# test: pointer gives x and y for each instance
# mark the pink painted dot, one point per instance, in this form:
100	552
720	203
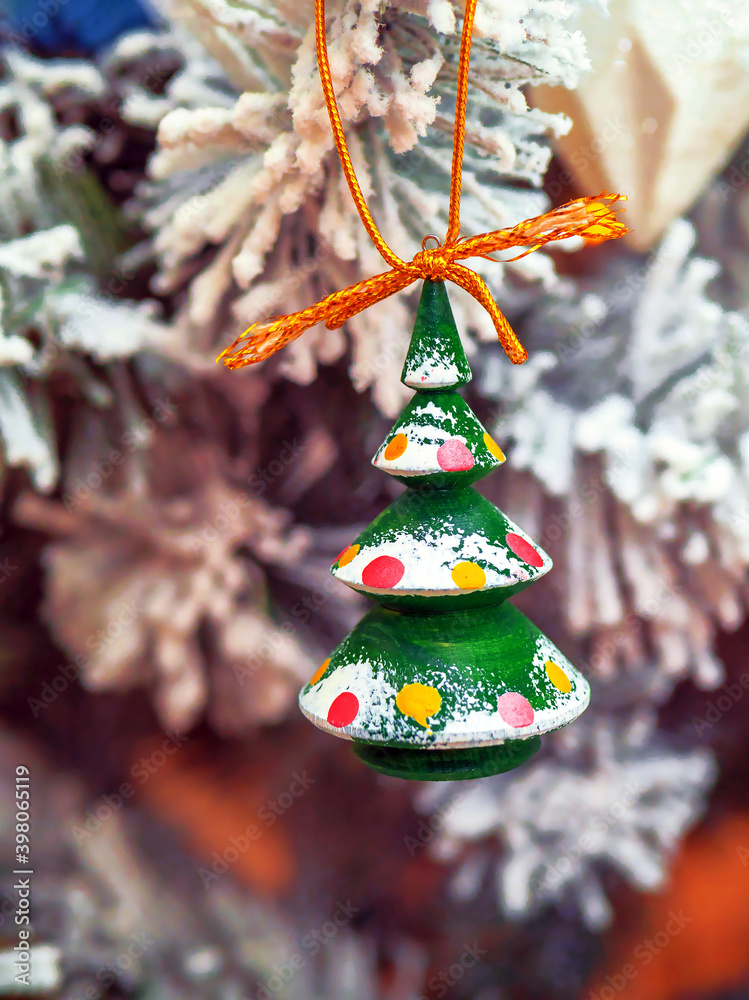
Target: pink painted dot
453	456
524	550
343	710
383	572
516	710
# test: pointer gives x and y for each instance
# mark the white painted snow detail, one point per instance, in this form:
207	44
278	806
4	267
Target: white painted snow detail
425	438
432	374
473	725
376	697
429	561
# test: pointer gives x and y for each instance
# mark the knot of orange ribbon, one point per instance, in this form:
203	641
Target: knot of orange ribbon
431	264
595	219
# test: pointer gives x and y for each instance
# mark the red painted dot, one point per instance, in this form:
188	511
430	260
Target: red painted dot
383	572
344	710
524	550
516	710
453	456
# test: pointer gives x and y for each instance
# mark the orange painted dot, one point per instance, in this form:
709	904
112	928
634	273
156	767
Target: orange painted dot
558	677
468	576
347	555
396	447
494	448
319	672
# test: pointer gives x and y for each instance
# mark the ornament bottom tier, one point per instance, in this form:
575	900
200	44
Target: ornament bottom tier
442	687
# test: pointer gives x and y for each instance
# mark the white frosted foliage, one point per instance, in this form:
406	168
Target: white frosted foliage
253	129
654	455
559	821
50	308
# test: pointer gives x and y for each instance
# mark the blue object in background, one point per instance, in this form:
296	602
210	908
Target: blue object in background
71	25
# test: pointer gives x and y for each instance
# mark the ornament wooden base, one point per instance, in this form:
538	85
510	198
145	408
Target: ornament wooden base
444	679
447	765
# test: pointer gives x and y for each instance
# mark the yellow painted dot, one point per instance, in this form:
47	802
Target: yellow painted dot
320	671
348	555
468	576
419	701
396	447
557	676
494	448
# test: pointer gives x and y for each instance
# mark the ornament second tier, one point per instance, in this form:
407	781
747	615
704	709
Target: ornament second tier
443	679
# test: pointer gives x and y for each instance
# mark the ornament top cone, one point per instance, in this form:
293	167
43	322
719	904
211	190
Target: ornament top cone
443	679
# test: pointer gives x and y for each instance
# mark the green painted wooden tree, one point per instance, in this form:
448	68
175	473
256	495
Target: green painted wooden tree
443	679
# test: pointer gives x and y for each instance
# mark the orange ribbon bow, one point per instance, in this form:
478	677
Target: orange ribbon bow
592	218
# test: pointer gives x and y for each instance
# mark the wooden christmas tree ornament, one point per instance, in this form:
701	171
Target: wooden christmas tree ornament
443	679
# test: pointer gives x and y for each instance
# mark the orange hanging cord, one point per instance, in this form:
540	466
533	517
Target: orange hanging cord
593	218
